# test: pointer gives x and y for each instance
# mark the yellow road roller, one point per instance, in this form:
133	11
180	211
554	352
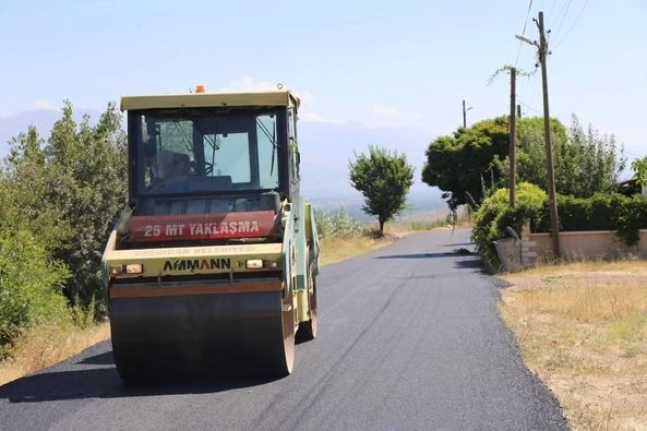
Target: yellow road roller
213	264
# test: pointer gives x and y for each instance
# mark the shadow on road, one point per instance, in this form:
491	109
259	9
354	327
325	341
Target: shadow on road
100	359
460	244
418	256
104	382
462	258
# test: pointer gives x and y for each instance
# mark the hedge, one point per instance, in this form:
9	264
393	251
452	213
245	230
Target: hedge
625	215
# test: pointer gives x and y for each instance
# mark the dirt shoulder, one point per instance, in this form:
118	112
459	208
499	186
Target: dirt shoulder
582	329
335	250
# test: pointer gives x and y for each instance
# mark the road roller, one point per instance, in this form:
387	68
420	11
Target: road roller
212	265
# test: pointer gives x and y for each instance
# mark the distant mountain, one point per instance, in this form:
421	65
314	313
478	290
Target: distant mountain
42	119
11	126
326	149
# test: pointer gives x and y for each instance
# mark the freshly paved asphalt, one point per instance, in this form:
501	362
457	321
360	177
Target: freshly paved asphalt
410	339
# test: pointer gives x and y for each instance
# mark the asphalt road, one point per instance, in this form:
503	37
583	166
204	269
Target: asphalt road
410	339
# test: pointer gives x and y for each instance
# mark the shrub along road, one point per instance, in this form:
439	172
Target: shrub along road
409	339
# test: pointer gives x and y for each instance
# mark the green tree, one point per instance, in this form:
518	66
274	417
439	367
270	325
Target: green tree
586	162
87	174
459	164
640	169
384	178
71	188
471	161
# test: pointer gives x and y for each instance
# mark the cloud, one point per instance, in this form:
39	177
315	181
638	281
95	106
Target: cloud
375	116
249	83
380	115
44	105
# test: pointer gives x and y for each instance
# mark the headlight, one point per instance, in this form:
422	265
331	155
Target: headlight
134	268
130	269
254	263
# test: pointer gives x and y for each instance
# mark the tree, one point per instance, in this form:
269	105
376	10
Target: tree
458	164
72	187
640	168
586	162
384	178
471	161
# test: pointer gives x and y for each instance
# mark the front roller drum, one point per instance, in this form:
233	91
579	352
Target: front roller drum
220	334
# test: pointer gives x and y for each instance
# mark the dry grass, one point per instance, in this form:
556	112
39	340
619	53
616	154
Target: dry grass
335	250
583	329
46	345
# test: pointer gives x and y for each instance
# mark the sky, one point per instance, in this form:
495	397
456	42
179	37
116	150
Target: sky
366	65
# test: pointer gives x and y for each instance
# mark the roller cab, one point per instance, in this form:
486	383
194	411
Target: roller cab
212	266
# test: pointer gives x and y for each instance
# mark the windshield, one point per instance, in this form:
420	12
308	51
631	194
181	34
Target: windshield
198	151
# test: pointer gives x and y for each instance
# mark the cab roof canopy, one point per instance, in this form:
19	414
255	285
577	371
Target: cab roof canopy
210	100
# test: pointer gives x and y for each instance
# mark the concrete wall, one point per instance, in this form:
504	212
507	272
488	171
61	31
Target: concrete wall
591	245
534	248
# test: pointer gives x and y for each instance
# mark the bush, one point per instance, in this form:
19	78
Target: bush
601	212
30	285
632	218
336	224
612	211
494	215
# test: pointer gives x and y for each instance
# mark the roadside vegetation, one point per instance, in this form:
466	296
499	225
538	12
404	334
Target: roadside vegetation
587	168
469	165
59	197
602	211
582	328
342	237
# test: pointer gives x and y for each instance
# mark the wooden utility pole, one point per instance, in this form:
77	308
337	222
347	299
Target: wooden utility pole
519	112
512	153
554	215
542	47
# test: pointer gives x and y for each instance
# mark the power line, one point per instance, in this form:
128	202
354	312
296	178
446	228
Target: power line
575	22
523	31
551	10
558	29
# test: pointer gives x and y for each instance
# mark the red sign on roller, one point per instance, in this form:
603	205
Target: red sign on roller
198	227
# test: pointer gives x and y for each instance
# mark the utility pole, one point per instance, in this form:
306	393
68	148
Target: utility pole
513	137
542	47
519	111
554	215
465	109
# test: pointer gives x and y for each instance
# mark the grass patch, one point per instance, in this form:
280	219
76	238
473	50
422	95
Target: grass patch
582	328
423	225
